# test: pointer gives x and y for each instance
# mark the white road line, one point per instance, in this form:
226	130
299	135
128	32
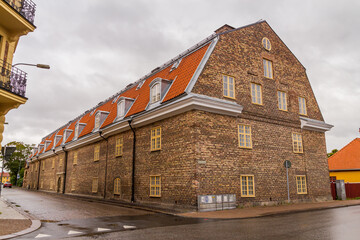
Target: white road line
73	232
129	227
103	229
42	236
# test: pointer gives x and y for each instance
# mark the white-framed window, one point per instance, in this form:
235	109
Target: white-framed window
302	106
256	93
282	100
121	109
155	93
97	120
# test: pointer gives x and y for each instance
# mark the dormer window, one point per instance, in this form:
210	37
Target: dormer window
97	120
121	109
47	144
100	117
155	93
158	89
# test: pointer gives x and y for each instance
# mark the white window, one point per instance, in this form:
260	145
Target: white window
121	109
76	130
97	120
155	93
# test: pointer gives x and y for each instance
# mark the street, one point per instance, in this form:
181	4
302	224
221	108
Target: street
64	217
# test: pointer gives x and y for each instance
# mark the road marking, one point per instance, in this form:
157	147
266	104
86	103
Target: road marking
103	229
42	236
129	227
73	232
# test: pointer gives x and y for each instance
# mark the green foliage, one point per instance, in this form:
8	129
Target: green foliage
332	152
17	161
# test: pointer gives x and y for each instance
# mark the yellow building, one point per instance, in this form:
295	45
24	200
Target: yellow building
345	164
5	177
16	20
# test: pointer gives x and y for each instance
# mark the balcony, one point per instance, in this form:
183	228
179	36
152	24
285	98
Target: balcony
12	79
25	8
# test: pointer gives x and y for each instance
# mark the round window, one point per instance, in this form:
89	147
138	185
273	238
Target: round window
266	43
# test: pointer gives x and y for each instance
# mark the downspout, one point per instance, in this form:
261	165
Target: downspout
65	166
106	159
38	178
133	163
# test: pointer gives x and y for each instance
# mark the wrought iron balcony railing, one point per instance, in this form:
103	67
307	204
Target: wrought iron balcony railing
12	79
26	8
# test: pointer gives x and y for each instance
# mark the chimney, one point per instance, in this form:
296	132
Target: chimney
224	28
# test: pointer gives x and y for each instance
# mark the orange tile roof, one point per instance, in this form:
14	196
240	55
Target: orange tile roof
347	158
180	78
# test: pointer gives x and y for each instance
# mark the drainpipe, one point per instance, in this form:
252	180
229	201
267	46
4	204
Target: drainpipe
38	177
106	158
65	166
133	163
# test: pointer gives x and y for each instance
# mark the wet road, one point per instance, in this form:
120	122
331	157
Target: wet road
76	219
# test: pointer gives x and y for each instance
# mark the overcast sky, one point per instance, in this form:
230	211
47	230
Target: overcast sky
96	48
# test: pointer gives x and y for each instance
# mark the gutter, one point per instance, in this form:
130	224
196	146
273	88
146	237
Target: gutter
106	160
65	166
133	162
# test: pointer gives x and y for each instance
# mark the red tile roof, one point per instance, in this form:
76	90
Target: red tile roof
347	158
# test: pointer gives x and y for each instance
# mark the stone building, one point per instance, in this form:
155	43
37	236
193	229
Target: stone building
220	118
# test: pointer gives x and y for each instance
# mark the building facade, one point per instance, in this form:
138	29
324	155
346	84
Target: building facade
5	177
16	20
220	118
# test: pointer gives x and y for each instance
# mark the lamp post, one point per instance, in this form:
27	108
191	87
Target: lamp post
44	66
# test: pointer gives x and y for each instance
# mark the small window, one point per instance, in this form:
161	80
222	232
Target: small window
155	138
95	183
245	136
256	94
96	152
247	186
302	106
117	186
333	179
121	109
73	183
268	71
43	165
301	184
297	143
119	146
228	86
97	120
155	186
155	93
75	158
53	164
76	131
266	43
60	162
282	100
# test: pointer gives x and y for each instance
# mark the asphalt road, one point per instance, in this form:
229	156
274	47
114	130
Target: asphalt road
75	219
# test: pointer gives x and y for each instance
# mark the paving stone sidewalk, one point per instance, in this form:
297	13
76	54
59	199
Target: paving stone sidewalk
261	211
12	223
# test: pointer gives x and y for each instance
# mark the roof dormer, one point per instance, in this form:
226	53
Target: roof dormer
47	144
67	133
123	106
78	128
56	140
40	147
158	89
100	117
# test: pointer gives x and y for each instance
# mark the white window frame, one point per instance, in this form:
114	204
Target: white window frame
121	109
155	93
97	120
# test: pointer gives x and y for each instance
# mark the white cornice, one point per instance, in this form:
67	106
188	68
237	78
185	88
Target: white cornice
187	103
314	125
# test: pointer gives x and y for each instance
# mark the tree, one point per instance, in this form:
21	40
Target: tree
332	152
16	163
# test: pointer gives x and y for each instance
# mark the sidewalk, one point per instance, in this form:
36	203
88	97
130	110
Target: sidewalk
261	211
13	223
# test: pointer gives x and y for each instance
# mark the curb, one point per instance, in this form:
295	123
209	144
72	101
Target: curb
35	224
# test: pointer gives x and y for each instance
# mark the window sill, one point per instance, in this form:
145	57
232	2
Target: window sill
155	150
155	196
233	98
248	196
